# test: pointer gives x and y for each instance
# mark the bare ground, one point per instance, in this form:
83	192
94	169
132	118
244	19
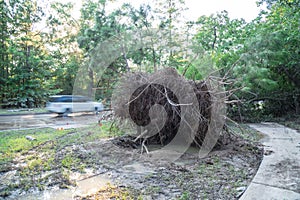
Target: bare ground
112	169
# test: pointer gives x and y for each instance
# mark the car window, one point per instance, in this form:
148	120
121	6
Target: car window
86	99
66	99
78	99
81	99
70	99
60	99
54	99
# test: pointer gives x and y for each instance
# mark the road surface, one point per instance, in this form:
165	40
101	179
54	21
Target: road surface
47	120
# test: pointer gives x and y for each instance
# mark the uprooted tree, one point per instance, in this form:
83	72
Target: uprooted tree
164	105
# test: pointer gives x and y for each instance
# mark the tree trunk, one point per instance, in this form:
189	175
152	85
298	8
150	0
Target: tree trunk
91	83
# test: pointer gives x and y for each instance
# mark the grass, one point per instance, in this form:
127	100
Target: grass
69	161
14	143
52	150
185	196
23	111
111	192
209	175
292	121
16	111
245	132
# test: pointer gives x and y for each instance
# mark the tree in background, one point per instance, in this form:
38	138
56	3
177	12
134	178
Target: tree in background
23	55
98	26
61	39
5	20
273	54
261	57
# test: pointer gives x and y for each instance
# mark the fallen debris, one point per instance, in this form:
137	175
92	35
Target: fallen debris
28	137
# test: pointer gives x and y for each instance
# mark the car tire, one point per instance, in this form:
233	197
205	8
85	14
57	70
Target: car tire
96	110
67	112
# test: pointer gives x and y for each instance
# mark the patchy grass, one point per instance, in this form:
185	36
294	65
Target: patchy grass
245	132
111	192
52	150
23	111
213	178
14	143
292	121
56	155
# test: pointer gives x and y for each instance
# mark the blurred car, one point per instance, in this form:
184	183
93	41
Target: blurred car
65	104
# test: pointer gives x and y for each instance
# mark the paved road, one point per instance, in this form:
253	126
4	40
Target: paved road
278	176
46	120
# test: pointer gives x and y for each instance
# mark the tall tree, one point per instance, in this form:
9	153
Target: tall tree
98	26
4	56
23	54
61	35
276	47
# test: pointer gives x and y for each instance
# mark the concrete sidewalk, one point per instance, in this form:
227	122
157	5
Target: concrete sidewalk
278	176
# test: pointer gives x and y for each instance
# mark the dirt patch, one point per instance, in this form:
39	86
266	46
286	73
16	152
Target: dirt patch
102	169
224	174
288	170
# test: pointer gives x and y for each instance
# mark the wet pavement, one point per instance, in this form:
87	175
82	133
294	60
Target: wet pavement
18	122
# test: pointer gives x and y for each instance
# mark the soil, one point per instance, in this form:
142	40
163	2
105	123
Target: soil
112	169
